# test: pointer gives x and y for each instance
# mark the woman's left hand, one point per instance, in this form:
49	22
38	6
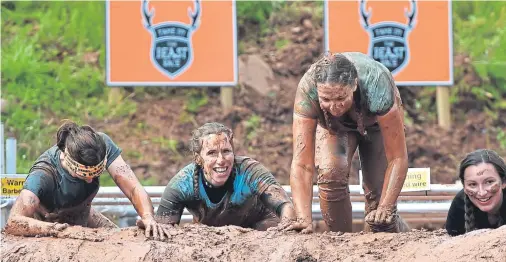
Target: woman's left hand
152	228
288	217
382	219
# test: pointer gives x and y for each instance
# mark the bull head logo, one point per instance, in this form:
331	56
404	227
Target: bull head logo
388	44
171	48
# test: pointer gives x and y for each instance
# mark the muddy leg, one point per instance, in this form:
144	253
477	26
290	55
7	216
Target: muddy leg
333	157
374	164
96	220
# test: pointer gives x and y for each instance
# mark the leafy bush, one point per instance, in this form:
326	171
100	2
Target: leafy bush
45	74
480	32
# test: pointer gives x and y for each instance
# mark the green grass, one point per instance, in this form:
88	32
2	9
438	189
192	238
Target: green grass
45	77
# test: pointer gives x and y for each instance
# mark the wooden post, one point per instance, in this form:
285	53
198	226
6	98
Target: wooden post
115	96
227	98
443	106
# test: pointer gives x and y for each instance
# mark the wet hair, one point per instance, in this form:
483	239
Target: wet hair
475	158
83	144
196	146
337	69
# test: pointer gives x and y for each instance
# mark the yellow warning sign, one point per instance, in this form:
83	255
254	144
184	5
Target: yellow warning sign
12	185
417	179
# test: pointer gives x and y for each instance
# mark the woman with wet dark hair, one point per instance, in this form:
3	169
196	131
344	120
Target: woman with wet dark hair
64	180
482	201
219	188
345	101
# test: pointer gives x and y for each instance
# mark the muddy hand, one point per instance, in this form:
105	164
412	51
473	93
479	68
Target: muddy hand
288	217
152	228
382	215
303	226
382	219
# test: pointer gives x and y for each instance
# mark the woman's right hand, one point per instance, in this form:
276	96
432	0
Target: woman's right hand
305	227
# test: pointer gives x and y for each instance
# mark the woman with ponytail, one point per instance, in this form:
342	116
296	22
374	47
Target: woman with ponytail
64	180
219	188
343	102
482	201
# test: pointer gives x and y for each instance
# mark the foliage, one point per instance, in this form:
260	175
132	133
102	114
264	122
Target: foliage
52	68
480	32
263	13
252	125
256	12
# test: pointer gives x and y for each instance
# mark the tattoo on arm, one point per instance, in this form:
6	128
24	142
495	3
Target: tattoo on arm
124	171
126	180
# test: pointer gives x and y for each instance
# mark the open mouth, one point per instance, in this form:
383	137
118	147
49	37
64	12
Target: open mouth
220	170
483	200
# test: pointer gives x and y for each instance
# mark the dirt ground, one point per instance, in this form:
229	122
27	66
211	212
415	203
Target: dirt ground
202	243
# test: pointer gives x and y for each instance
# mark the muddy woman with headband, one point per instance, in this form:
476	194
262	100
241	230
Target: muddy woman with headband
482	201
64	180
345	101
220	188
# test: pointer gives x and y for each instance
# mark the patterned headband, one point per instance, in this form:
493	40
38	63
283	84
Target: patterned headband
82	170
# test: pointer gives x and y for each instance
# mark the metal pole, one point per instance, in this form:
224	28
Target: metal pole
10	155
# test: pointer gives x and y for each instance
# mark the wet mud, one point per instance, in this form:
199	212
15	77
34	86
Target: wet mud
202	243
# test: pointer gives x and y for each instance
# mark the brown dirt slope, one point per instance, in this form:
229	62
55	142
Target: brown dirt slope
201	243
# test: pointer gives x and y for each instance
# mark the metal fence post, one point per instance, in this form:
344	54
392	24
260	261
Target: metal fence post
10	155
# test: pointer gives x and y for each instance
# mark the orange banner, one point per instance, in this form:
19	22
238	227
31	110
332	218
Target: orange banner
171	43
413	39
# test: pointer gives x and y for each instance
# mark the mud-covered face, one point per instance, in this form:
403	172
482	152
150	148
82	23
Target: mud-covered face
484	187
217	158
336	99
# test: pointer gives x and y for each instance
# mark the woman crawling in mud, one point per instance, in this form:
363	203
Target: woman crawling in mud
343	101
220	188
482	201
64	180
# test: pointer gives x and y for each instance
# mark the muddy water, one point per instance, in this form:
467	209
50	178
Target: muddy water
202	243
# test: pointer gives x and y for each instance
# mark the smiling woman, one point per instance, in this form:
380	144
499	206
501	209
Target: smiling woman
482	201
220	188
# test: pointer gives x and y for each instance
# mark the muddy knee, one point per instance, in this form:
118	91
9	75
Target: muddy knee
333	185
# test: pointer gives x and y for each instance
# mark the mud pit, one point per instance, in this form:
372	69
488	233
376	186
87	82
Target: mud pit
201	243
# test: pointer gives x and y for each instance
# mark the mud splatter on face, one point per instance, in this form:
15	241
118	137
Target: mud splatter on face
218	157
335	99
495	187
482	184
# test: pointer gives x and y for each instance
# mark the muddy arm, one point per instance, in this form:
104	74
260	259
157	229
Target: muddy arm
303	166
276	199
171	205
392	129
126	180
21	221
